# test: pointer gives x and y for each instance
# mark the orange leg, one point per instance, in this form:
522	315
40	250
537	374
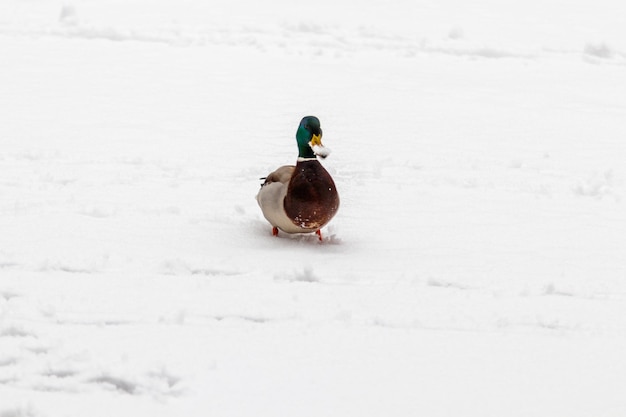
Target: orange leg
274	231
319	233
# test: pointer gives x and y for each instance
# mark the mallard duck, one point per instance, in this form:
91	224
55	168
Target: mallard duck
301	198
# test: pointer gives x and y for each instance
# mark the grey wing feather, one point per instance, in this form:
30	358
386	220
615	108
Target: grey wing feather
282	174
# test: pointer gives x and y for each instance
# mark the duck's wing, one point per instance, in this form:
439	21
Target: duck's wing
282	174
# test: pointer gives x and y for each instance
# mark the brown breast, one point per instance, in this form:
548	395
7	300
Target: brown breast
312	198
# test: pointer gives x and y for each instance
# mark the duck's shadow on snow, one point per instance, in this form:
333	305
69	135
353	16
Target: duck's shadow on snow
263	230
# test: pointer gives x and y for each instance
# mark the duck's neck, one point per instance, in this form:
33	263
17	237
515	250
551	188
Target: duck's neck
305	152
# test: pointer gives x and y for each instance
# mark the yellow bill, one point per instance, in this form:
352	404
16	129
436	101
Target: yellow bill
319	149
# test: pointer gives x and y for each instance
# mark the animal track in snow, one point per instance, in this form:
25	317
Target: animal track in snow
152	383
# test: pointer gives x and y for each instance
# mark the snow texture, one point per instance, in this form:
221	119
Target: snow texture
475	268
321	151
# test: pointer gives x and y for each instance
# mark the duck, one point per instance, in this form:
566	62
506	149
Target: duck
301	198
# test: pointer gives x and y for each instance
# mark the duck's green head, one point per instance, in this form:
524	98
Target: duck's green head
309	138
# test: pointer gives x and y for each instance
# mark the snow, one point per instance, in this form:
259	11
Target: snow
321	151
475	267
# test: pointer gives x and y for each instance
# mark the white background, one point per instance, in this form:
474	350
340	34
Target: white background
476	266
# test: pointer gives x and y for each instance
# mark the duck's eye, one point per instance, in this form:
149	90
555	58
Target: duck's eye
306	126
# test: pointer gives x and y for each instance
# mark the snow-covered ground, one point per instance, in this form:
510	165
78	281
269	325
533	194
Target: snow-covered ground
476	267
